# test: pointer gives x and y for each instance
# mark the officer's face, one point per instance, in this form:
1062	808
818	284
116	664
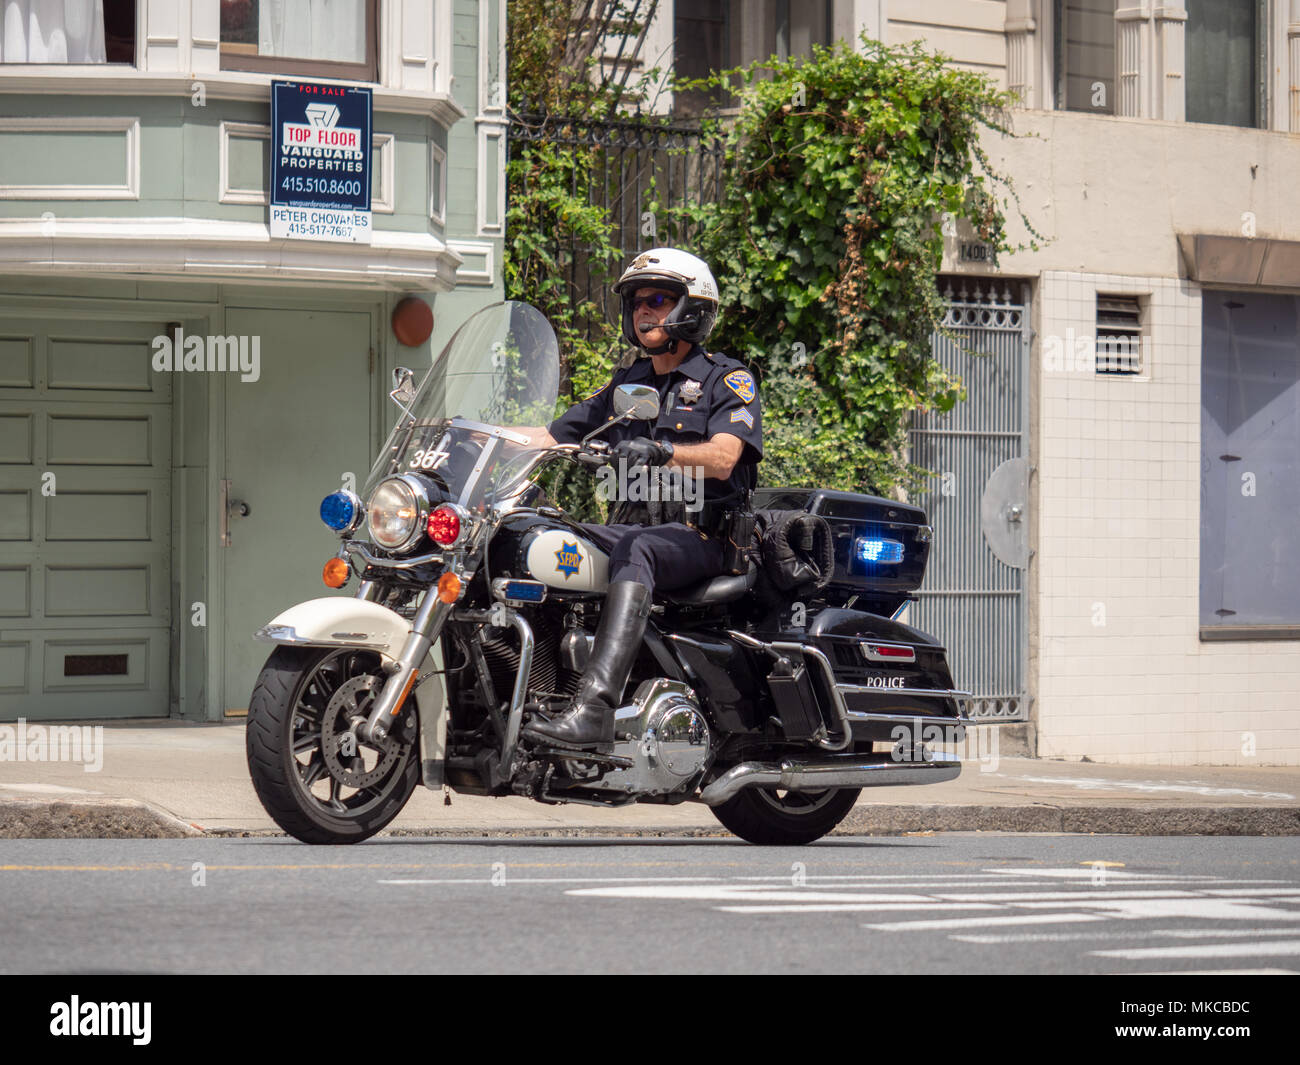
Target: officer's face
646	313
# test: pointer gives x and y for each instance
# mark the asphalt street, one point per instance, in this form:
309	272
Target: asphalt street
943	904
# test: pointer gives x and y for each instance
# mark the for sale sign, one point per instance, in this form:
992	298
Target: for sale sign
320	162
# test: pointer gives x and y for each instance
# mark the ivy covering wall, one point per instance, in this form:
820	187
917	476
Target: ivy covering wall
842	170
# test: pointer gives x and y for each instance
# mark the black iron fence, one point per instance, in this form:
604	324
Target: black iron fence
644	172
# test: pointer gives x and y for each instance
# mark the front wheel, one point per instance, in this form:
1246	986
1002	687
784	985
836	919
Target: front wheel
313	774
774	817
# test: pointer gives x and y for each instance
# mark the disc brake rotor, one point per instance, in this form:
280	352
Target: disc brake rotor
342	748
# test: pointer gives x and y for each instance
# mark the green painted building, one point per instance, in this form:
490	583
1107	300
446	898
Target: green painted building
151	520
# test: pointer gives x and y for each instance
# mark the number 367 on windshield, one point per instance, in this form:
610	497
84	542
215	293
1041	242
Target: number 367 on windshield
430	459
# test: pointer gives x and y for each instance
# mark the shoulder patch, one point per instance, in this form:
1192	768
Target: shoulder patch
740	383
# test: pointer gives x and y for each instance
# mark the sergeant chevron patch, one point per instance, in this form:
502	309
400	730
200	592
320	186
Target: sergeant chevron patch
743	415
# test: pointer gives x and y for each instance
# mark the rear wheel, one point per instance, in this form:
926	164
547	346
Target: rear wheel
313	774
775	817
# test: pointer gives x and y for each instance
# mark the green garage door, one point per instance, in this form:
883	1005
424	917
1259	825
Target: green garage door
85	457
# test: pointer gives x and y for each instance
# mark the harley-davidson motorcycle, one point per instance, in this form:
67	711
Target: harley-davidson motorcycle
773	700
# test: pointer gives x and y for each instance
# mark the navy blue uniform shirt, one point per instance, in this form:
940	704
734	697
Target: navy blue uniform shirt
705	395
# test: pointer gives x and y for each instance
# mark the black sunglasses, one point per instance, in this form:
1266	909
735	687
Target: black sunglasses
655	302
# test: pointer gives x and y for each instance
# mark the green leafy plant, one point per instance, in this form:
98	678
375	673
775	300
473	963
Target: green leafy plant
556	81
827	241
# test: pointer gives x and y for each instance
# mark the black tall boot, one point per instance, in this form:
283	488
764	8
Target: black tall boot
588	724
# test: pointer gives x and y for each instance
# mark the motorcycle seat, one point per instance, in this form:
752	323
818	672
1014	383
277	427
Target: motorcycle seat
725	589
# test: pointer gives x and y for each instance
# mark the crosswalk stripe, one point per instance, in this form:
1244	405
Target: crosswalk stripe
1048	897
508	879
985	922
1219	972
1162	933
1077	873
845	907
1207	950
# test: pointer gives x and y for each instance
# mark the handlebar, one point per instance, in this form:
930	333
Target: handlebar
594	453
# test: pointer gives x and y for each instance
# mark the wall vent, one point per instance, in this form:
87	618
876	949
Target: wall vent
1119	335
95	665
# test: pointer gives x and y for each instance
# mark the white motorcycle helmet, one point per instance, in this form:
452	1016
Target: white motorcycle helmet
697	306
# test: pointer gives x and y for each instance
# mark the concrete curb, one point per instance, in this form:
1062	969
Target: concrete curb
130	819
902	820
1039	817
89	819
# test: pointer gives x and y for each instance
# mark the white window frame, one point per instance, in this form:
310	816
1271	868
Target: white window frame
438	187
1029	32
178	51
1286	65
1159	29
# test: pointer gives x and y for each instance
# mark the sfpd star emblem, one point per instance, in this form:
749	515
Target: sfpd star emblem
690	391
568	559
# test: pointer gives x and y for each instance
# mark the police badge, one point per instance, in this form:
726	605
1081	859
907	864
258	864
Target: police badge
690	391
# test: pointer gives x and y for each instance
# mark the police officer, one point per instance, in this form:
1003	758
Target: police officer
709	425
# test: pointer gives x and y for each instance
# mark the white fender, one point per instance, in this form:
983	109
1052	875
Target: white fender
338	621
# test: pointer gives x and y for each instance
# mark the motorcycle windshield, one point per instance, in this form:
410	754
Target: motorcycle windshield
500	369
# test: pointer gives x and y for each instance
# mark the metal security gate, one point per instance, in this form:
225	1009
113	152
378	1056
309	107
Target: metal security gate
973	598
643	172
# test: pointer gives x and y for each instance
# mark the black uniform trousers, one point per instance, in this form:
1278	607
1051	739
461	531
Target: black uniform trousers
661	557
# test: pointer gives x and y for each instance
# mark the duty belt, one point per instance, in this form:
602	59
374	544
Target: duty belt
708	520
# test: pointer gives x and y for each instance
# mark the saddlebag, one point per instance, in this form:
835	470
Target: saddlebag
791	687
879	546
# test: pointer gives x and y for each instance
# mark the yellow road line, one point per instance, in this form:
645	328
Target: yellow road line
487	862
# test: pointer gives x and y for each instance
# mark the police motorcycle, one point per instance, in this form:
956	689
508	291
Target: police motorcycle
773	695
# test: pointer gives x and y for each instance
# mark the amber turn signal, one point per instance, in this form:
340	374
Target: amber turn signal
449	587
335	573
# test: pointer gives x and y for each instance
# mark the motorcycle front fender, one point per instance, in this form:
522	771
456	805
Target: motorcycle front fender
338	621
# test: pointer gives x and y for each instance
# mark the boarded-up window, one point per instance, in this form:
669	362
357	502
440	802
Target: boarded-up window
1250	437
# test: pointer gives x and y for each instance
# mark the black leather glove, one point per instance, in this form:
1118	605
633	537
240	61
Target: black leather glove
643	452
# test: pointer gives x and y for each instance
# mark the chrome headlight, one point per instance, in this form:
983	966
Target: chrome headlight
398	510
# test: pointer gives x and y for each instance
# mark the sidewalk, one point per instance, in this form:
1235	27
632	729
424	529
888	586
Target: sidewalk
163	779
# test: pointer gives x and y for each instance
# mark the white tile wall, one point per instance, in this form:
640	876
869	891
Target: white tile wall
1123	676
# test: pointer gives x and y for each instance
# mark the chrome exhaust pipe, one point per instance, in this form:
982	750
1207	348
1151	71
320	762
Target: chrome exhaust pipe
845	771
